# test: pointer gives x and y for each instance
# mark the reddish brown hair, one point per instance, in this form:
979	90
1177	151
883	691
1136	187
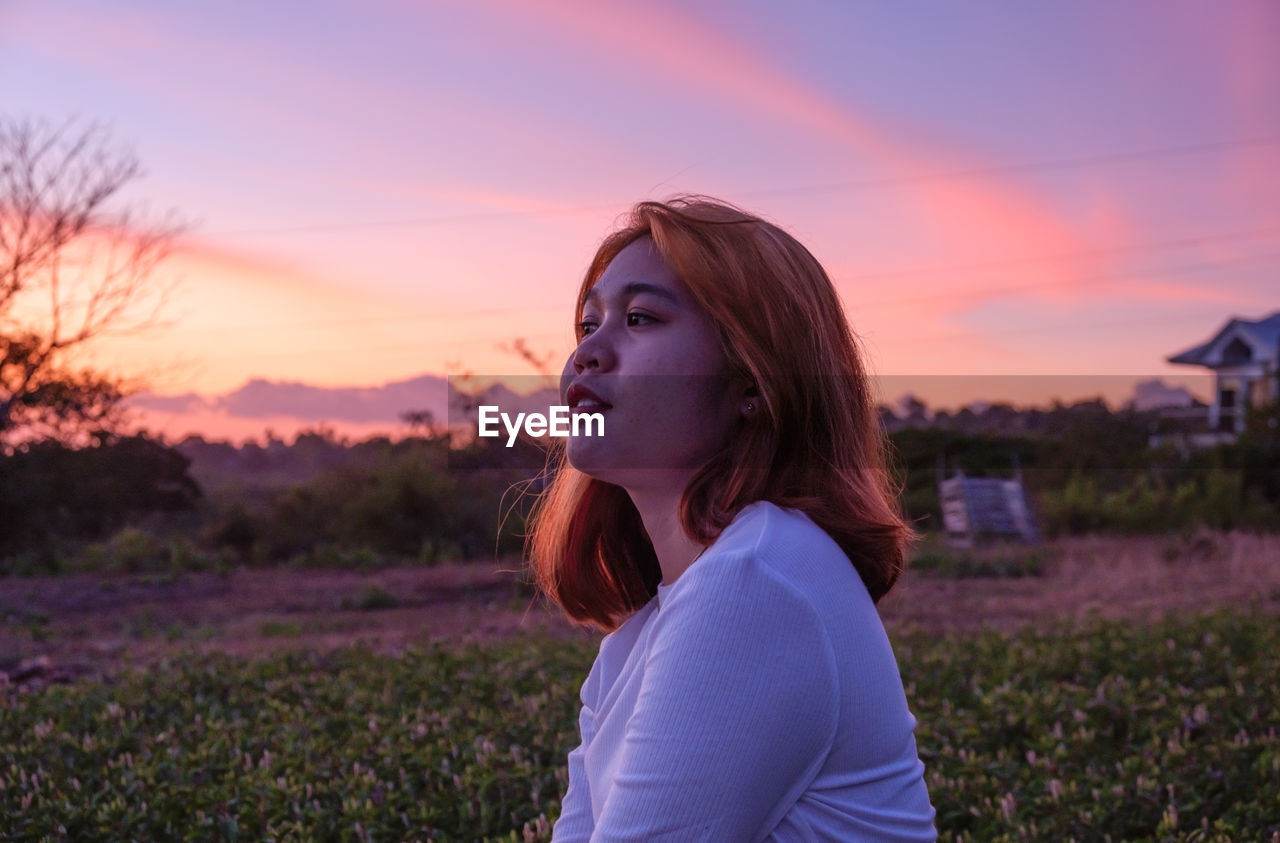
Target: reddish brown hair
816	445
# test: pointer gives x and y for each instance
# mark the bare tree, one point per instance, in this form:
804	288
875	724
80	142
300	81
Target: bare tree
75	265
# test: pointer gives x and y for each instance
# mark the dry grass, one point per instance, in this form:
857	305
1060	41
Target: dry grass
91	624
1133	577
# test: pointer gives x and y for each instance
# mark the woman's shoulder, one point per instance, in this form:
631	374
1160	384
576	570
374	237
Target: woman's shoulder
762	525
773	548
783	540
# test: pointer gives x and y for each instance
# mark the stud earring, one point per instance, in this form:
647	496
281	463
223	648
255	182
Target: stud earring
751	408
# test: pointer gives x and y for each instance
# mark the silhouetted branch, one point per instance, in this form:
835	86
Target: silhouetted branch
74	266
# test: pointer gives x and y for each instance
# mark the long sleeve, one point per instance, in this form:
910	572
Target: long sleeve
736	713
576	818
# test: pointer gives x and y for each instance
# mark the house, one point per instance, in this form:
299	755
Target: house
1245	358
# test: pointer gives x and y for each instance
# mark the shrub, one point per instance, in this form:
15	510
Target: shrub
1105	730
400	503
998	562
1140	503
50	493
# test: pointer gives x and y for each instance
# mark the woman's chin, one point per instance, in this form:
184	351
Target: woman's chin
586	455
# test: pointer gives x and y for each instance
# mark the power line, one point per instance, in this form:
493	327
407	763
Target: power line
359	320
1086	281
1063	257
417	222
966	294
866	184
1040	329
1198	317
1030	166
974	293
347	349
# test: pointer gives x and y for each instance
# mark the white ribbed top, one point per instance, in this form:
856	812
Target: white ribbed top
756	698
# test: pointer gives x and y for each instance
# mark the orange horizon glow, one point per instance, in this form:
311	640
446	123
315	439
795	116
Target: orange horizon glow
949	394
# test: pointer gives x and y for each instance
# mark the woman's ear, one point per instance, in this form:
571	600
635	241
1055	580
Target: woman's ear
750	401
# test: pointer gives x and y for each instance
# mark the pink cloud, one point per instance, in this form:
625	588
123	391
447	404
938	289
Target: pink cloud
975	214
699	57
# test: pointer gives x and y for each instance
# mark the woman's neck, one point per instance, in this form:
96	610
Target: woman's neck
660	511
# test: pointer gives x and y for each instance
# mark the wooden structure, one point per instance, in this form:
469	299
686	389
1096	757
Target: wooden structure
974	508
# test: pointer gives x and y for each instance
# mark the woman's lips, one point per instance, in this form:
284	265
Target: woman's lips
580	398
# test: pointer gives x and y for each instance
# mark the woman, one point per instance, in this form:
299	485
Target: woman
732	530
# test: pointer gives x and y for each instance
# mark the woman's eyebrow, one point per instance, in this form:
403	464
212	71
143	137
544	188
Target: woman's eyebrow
635	288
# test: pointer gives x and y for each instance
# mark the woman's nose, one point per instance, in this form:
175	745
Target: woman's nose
594	352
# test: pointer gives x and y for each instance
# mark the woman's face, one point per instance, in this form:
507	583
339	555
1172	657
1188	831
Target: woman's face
649	361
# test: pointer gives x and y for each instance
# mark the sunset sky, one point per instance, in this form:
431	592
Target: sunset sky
387	189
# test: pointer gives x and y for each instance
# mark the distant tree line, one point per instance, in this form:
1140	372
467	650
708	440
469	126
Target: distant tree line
137	503
320	501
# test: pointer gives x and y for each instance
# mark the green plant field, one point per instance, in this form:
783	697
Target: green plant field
1110	731
1009	563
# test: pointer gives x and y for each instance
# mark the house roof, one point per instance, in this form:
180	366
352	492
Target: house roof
1264	334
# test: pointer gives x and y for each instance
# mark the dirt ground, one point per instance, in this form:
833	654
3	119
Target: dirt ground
61	628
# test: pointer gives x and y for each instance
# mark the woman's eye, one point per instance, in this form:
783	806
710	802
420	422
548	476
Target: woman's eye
585	327
635	319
